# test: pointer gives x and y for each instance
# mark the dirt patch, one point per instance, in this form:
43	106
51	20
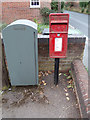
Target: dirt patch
17	96
44	101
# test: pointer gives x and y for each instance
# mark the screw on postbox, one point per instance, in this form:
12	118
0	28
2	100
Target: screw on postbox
58	29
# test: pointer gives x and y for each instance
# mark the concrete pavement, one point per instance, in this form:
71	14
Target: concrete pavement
52	102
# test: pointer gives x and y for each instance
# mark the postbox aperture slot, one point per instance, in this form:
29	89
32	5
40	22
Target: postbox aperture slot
59	21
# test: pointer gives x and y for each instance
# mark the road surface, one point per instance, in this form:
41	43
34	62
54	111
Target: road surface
80	21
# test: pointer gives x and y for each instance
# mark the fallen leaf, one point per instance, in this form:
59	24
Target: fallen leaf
69	86
67	94
68	77
1	92
69	71
68	98
25	91
39	76
45	84
46	101
41	92
70	82
52	87
65	90
46	73
57	86
9	89
42	73
65	75
49	72
60	74
43	81
32	93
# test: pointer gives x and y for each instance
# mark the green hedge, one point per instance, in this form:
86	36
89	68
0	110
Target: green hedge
54	5
45	13
84	5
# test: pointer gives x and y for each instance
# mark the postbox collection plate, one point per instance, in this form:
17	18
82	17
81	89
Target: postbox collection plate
58	28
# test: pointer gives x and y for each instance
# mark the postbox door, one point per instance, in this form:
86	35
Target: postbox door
58	45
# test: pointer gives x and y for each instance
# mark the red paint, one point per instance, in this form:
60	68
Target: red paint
58	25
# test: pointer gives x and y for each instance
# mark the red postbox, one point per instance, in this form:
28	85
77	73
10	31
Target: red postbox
58	34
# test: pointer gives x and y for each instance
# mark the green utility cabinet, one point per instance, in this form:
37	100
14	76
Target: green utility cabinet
21	48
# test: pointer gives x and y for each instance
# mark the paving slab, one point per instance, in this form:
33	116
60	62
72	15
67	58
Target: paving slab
43	101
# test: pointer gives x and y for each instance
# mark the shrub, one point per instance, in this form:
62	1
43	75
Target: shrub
3	26
88	6
35	20
83	4
45	13
82	10
54	5
40	27
87	10
62	10
68	4
62	5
